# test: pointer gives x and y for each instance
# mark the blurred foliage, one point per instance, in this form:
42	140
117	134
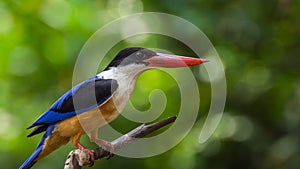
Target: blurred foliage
258	42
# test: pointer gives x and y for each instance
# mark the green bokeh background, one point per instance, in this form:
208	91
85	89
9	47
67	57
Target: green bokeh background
258	43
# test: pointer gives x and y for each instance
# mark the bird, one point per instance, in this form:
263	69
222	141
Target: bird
97	101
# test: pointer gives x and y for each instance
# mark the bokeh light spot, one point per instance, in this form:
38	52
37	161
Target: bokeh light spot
127	7
6	20
258	77
22	61
9	127
55	13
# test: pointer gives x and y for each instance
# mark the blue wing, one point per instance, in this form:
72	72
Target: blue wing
81	98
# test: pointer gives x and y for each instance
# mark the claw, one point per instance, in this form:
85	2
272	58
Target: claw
91	164
110	155
105	144
110	149
91	152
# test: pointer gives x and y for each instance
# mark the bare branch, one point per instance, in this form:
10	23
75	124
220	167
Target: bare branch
77	158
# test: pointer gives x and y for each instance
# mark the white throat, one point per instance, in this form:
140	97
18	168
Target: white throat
126	77
123	74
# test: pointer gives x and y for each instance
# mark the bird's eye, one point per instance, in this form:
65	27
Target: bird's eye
140	55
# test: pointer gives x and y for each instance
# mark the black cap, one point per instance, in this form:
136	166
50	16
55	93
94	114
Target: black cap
131	55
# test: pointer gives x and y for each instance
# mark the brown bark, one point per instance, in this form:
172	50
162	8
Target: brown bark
77	158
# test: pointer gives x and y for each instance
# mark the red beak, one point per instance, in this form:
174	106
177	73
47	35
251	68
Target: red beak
171	61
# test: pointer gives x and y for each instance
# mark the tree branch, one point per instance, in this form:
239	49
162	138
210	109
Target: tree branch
77	158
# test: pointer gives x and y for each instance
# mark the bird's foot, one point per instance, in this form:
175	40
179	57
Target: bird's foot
92	155
108	146
91	152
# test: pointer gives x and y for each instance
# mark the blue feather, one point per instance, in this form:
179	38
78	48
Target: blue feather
53	116
30	161
55	113
60	101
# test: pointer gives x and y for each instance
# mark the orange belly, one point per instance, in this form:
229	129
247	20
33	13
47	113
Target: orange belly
73	128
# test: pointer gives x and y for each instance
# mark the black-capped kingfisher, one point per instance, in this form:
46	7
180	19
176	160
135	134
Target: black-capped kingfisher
107	93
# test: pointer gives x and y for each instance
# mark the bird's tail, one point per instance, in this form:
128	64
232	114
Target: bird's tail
33	158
